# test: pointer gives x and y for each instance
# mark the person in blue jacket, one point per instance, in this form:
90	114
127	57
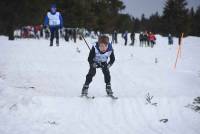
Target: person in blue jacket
54	21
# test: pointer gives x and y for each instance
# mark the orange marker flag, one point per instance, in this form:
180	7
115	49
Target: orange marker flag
179	49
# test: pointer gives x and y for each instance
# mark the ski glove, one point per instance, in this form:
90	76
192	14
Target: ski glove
109	65
106	65
95	65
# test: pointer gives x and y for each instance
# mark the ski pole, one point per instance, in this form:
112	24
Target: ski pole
85	42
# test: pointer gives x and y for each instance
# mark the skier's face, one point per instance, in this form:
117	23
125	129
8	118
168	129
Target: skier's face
103	47
53	9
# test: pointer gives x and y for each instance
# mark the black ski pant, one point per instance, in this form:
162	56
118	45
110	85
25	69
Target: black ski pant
125	43
92	72
54	33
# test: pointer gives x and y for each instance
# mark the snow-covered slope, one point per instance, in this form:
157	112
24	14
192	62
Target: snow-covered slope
40	88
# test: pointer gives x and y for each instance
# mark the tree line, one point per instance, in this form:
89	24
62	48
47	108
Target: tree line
102	15
175	19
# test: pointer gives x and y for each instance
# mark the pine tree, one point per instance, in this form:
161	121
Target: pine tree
103	15
175	17
154	23
192	19
136	25
15	14
196	20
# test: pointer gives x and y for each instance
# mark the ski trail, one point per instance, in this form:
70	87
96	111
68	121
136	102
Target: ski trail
58	73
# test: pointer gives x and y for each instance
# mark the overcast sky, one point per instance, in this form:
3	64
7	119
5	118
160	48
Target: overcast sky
148	7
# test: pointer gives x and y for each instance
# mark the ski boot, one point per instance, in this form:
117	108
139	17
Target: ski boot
110	92
51	43
57	43
85	90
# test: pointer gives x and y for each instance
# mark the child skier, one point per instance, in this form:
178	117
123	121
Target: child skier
54	20
98	57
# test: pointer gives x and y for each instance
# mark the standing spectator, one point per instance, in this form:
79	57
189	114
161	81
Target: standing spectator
115	36
145	39
66	34
47	33
41	30
141	38
170	40
132	36
37	31
74	35
125	36
70	34
152	39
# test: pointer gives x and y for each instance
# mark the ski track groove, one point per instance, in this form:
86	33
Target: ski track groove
187	121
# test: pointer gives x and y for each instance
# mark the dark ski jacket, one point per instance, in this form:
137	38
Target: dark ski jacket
95	53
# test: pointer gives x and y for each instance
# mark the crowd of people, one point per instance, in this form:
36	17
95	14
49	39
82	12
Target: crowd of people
53	28
39	31
29	32
72	34
147	39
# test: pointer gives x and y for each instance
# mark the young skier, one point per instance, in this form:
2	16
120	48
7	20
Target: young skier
54	20
97	58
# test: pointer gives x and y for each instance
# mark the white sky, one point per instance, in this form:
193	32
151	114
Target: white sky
148	7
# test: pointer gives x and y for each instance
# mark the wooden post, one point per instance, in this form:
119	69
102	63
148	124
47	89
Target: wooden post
179	50
181	41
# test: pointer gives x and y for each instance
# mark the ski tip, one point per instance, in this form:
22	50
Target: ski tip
113	97
87	97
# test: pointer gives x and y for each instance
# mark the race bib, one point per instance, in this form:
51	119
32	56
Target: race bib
54	22
54	19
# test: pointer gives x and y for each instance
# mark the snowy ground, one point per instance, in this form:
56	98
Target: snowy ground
40	88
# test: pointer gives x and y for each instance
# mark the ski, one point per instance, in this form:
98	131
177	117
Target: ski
87	97
93	97
113	97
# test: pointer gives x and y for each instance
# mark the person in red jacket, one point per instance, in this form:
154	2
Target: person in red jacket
152	39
